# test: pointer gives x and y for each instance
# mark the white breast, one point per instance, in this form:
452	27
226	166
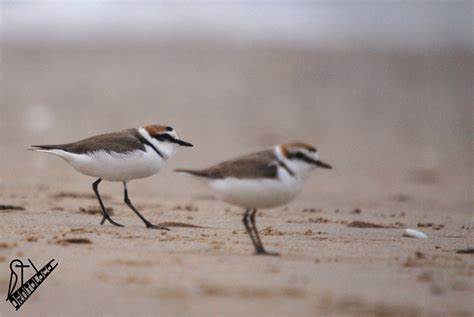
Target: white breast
258	193
113	166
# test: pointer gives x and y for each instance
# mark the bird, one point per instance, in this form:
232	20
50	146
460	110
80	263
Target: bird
266	179
120	157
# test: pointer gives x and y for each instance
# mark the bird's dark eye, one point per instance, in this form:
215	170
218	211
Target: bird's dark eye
169	129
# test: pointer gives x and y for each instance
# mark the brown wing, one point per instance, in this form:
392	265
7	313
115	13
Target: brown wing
255	165
119	142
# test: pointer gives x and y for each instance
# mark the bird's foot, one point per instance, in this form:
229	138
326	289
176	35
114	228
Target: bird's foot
264	252
159	227
112	222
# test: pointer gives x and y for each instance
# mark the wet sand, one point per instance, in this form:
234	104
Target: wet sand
326	265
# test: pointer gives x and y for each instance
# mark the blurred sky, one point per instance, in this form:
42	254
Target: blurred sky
373	25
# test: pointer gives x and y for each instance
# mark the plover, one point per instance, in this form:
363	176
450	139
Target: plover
265	179
120	157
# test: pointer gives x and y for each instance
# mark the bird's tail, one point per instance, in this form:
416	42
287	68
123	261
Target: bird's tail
44	147
51	149
189	172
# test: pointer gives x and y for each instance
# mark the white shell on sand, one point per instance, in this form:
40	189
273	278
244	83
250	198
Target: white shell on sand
412	233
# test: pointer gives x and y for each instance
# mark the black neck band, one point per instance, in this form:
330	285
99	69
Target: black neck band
145	141
282	164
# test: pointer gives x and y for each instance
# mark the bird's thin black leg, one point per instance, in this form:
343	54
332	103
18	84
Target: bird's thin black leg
129	204
260	249
105	214
245	220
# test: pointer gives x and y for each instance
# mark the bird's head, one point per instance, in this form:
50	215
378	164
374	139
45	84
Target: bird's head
164	138
301	158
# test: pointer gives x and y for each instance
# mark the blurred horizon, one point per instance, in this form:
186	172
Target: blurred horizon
419	26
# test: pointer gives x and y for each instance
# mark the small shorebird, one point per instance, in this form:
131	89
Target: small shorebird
120	157
265	179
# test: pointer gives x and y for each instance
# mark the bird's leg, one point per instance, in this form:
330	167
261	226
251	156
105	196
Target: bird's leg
105	215
259	248
129	204
245	220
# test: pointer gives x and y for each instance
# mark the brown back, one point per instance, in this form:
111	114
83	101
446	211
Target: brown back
255	165
120	142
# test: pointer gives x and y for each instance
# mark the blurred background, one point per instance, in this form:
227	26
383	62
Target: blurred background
382	88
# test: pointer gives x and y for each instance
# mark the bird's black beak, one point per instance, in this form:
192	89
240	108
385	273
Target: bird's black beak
183	143
322	164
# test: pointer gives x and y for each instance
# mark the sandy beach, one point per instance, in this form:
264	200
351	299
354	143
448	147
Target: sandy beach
396	127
